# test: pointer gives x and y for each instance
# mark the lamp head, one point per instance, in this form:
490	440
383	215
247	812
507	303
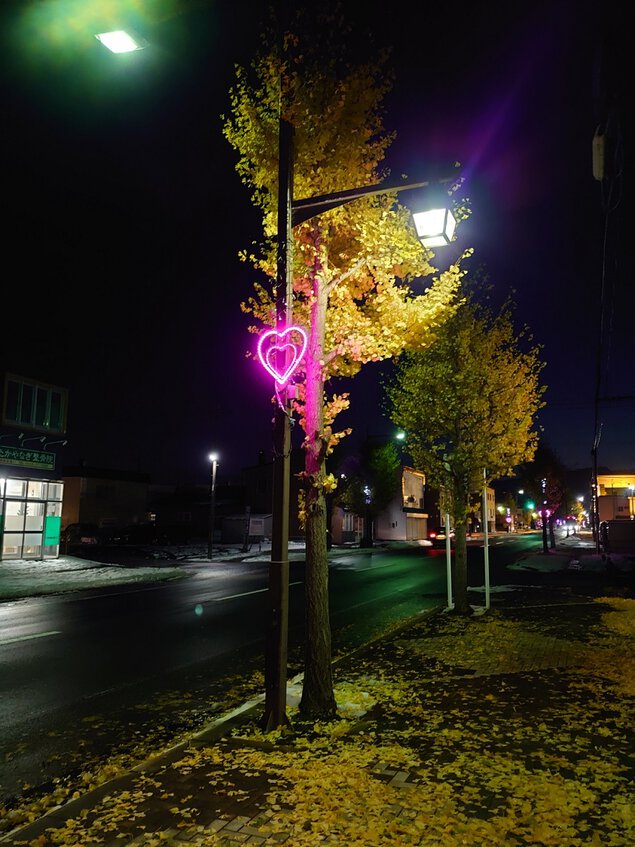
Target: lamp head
433	218
120	41
435	227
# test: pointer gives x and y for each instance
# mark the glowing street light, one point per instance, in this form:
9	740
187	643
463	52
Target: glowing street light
121	41
435	227
213	457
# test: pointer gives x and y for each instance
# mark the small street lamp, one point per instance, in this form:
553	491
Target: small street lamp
213	457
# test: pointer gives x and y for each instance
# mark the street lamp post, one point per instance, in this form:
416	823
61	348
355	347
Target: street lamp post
433	228
432	231
276	644
543	488
213	457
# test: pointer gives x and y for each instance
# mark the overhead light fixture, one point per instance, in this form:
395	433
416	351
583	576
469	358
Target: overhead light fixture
120	41
435	227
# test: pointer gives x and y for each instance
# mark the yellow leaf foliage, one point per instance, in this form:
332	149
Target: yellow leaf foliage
352	265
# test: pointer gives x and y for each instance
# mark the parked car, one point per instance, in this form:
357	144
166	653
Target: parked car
80	533
149	533
437	536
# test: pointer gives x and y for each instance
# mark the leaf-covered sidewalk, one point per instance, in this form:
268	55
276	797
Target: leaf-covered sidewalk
511	728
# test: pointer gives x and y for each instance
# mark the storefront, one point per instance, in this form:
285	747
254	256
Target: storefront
30	518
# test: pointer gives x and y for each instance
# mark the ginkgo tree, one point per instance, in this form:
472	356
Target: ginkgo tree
469	404
351	265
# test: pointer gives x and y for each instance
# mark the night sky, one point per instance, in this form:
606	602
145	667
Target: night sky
124	217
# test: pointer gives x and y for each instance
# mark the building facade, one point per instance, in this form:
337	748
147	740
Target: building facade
32	422
105	498
405	518
616	496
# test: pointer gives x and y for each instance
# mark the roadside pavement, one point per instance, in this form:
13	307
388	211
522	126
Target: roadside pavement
511	727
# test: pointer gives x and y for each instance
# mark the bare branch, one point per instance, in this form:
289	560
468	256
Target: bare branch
335	282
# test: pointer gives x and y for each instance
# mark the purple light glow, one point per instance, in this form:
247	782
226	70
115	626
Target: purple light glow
273	348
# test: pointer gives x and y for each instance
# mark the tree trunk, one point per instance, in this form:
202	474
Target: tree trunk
461	606
367	538
318	698
552	537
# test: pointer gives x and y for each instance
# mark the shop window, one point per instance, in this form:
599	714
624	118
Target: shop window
14	515
32	547
16	488
36	490
12	546
55	491
30	522
34	518
53	509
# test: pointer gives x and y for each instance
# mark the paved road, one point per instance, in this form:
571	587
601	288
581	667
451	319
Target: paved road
110	658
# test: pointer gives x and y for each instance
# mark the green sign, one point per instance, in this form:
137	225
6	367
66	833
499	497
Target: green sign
27	458
52	527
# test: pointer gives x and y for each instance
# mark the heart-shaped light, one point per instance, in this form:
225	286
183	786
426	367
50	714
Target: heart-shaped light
277	346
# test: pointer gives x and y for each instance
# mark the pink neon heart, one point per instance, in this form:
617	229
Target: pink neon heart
278	351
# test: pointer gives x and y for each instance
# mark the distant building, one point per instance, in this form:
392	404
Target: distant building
259	493
405	518
347	527
616	496
105	497
32	422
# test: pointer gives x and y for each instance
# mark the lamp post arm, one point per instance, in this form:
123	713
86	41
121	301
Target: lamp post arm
306	208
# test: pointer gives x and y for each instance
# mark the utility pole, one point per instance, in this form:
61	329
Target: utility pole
212	505
276	650
543	485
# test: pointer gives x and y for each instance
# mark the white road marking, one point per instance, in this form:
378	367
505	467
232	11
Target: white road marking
247	593
29	637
